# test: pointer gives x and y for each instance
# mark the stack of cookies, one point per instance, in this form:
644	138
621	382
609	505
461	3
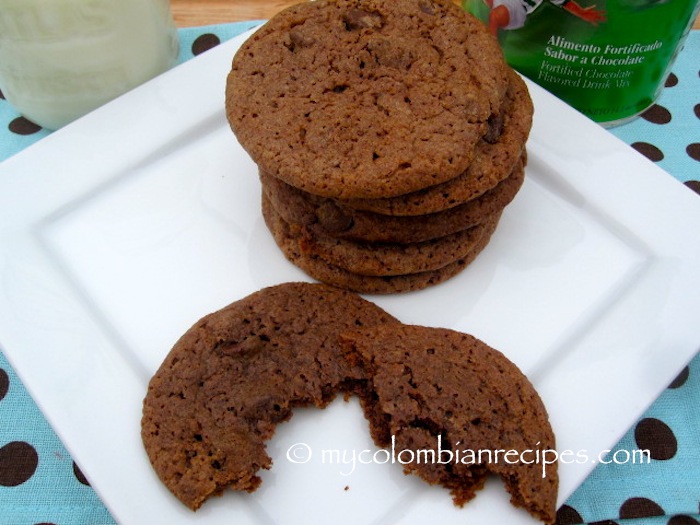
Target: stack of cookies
389	136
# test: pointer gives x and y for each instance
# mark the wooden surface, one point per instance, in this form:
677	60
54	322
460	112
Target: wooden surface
188	13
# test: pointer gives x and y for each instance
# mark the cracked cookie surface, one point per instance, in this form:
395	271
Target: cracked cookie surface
367	98
237	373
434	383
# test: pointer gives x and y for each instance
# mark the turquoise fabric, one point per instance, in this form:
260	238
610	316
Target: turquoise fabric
39	482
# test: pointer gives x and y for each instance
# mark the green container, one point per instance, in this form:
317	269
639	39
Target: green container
607	58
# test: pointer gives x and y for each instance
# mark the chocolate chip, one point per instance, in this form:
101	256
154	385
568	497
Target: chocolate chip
427	7
495	130
360	19
333	218
251	344
299	38
390	53
270	408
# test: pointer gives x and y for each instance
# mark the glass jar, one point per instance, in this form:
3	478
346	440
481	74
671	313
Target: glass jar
60	59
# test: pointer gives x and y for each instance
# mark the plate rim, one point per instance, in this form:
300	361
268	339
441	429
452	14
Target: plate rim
18	232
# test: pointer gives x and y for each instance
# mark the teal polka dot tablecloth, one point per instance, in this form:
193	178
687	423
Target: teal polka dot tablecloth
41	484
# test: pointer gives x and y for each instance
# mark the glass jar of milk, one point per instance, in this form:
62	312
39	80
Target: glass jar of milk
60	59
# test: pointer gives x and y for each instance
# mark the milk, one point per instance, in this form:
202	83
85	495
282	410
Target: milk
60	59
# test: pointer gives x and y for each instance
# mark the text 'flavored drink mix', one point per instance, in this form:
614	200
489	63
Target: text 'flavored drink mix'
607	58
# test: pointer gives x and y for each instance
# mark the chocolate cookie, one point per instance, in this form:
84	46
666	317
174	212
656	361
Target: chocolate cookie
493	162
434	389
390	259
328	217
236	374
287	238
367	98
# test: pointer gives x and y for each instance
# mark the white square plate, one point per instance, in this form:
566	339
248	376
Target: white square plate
121	230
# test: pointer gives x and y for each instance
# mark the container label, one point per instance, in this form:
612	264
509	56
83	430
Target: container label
607	58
